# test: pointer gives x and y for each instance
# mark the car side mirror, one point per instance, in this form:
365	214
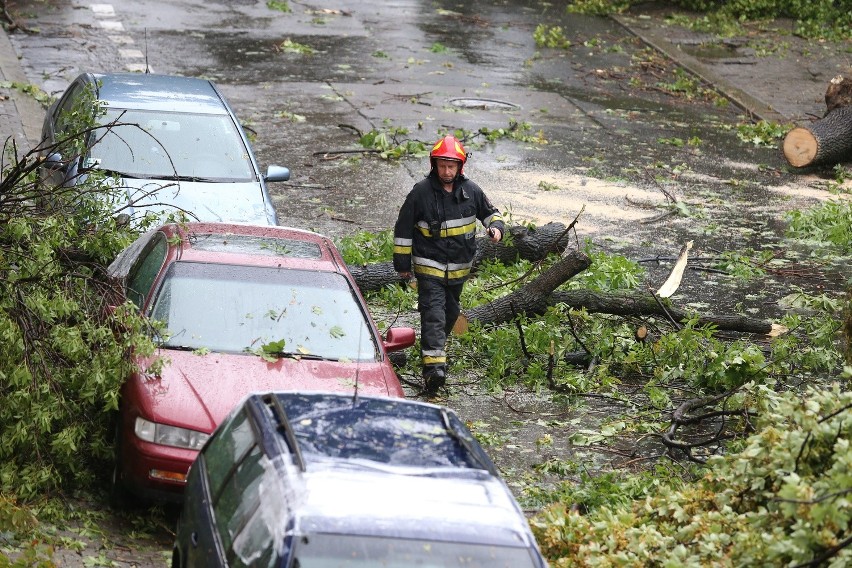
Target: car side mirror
398	338
277	173
54	162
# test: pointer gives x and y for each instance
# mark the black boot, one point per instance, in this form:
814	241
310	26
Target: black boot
434	378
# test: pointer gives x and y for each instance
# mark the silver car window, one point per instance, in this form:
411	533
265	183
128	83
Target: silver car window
163	145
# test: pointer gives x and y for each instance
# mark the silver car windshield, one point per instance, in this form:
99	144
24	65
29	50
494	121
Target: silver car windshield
278	312
162	145
325	550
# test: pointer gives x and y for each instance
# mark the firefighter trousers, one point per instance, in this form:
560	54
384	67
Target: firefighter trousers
439	305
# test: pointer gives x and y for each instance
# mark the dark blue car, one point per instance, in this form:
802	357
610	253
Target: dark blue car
293	479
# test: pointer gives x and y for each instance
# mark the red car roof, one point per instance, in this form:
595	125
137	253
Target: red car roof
245	244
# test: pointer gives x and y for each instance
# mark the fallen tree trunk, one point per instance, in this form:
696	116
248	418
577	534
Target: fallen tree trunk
527	244
829	139
640	304
535	297
532	298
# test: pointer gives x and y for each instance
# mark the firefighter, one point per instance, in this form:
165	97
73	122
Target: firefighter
434	242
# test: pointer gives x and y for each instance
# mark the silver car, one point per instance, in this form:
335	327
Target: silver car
172	143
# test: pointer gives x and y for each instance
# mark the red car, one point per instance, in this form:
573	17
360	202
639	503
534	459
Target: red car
236	309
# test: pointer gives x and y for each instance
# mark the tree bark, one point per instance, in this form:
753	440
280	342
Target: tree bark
829	139
531	244
374	276
640	304
527	244
838	94
532	298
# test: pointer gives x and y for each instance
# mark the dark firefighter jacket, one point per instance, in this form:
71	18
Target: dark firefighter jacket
435	230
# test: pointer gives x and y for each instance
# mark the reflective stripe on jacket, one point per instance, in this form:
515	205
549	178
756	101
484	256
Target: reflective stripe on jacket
434	233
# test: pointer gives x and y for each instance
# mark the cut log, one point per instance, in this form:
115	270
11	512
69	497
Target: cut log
532	298
527	244
824	141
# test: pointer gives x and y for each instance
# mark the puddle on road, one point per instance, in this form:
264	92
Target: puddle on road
710	51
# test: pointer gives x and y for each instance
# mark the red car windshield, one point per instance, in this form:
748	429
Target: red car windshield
230	308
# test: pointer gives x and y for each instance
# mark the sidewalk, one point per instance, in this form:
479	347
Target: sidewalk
21	116
772	75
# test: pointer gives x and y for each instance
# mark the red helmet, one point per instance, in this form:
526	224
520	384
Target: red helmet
448	148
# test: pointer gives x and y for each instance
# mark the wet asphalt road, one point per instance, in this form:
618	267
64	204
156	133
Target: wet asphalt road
424	66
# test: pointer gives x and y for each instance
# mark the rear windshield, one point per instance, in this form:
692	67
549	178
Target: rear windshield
250	244
235	308
380	431
335	550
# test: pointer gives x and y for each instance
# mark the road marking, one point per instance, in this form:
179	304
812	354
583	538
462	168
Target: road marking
121	40
112	25
107	11
131	53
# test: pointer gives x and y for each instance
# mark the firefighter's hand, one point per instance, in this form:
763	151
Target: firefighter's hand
495	234
405	275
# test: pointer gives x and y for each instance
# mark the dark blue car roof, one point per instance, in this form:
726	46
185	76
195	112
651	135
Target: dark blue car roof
395	432
166	93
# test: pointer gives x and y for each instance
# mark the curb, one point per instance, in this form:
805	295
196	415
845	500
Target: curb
748	103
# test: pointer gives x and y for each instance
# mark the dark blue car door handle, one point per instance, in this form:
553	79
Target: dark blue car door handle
194	538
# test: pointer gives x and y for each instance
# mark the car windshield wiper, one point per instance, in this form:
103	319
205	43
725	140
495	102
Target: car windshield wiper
178	347
189	178
117	173
466	444
170	177
291	355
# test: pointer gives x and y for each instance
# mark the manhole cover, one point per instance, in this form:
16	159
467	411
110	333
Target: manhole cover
483	104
